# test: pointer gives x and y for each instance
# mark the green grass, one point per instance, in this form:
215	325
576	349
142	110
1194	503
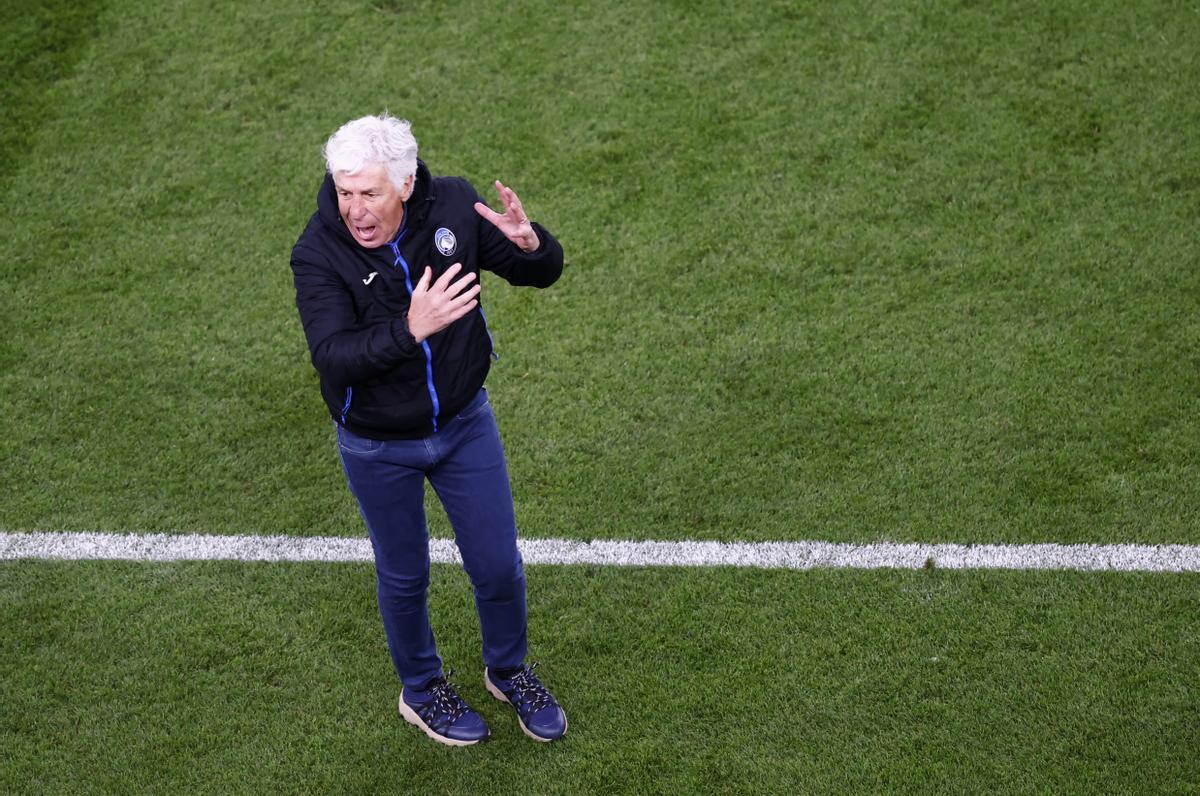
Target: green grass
915	271
918	271
272	678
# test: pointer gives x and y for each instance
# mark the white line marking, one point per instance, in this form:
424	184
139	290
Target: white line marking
763	555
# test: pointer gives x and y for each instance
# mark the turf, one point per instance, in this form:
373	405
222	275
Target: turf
225	677
916	271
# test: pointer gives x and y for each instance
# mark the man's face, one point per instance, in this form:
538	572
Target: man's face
370	205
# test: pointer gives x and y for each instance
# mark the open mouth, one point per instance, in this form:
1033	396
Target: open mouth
366	233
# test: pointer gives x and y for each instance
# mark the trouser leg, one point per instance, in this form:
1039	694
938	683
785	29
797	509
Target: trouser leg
472	482
387	479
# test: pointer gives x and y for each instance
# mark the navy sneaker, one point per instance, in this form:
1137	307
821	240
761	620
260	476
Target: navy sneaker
442	714
538	712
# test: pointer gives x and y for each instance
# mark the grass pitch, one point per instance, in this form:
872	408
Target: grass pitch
223	677
914	271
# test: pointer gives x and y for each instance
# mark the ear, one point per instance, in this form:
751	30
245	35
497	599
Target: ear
406	194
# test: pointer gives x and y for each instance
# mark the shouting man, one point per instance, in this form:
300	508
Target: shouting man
387	284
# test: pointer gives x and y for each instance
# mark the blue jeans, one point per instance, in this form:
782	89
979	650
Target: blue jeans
464	460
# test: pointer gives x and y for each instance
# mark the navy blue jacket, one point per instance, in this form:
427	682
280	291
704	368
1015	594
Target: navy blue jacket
377	381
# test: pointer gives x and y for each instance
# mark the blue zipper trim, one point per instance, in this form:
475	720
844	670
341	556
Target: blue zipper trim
433	396
346	406
395	244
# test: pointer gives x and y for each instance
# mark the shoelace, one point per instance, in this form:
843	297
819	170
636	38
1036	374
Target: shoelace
529	694
446	706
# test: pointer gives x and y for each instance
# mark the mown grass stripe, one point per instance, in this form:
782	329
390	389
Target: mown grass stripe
760	555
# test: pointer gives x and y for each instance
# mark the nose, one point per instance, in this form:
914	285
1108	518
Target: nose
355	208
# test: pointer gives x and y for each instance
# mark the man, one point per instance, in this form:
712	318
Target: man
387	284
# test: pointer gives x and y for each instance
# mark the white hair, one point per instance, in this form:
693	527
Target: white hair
380	139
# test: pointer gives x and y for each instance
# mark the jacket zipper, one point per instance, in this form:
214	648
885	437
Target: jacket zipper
433	396
346	405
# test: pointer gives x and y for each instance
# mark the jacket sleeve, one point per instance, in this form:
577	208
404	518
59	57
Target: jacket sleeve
344	351
540	268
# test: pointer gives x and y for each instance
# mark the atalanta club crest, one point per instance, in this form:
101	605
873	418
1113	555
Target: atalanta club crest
445	241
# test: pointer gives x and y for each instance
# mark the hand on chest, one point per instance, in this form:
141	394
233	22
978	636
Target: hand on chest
390	272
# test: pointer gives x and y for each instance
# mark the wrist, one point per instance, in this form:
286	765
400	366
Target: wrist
530	243
417	337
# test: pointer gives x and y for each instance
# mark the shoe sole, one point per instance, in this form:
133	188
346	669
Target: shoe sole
411	717
498	694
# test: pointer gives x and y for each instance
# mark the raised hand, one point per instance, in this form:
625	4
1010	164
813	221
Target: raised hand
434	307
512	222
